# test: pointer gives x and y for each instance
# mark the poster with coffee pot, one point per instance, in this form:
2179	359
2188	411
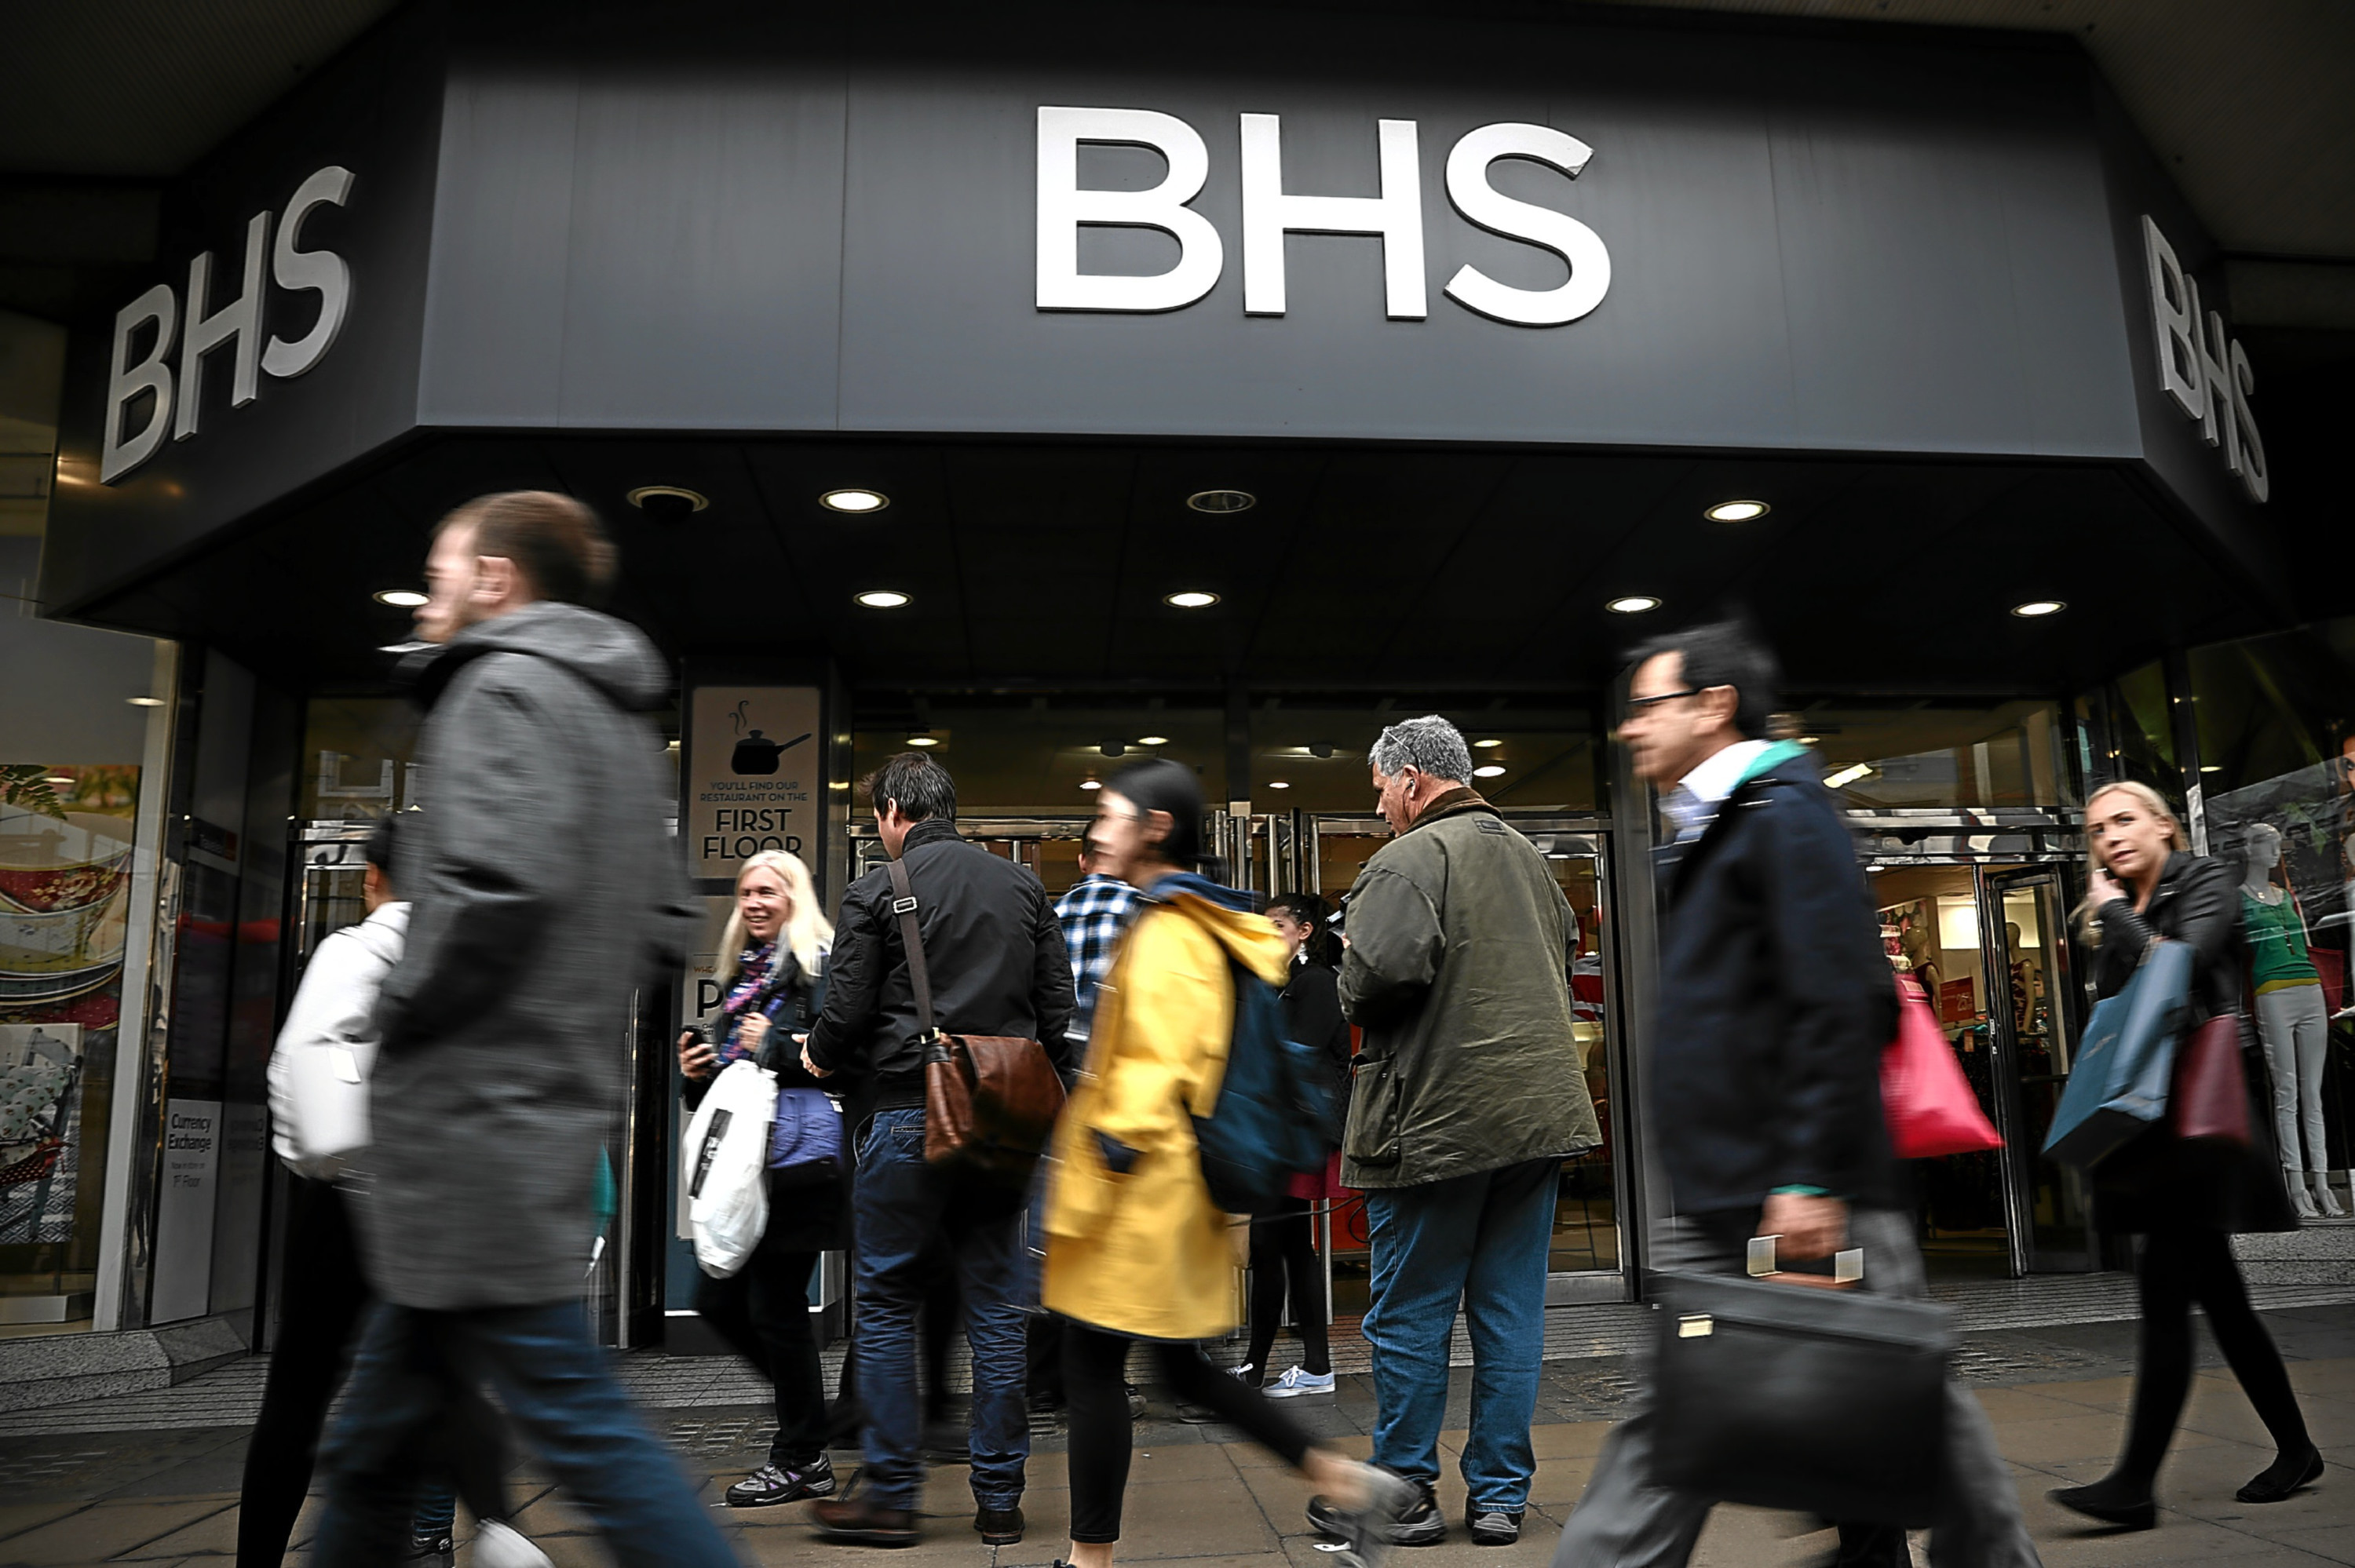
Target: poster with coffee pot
753	776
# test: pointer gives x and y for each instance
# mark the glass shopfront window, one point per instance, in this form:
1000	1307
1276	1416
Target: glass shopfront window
2125	732
2276	728
1930	753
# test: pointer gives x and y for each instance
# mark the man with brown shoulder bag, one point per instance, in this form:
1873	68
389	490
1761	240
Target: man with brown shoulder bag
949	971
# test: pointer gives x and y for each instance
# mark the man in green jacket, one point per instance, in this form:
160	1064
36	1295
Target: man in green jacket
1468	1097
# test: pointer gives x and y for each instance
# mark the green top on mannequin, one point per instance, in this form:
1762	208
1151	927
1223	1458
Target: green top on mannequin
2276	944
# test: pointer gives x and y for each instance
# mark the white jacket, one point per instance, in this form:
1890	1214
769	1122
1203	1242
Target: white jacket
319	1072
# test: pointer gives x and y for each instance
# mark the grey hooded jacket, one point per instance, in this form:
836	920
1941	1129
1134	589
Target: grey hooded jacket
1458	970
543	888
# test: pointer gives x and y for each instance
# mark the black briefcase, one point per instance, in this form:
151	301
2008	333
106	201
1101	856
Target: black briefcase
1786	1396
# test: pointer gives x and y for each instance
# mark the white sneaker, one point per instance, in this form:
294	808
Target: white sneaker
498	1545
1296	1382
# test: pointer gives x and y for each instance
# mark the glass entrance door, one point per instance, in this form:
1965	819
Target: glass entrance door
2024	915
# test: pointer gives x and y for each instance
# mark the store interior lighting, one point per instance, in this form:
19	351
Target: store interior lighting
1190	598
399	598
854	501
923	741
1278	784
1217	501
1152	740
1958	924
1485	744
883	598
1736	511
1488	770
2036	607
1853	773
1632	604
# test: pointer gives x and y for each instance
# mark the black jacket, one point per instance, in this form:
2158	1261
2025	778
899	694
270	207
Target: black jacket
2157	1181
992	945
1312	1015
1775	1001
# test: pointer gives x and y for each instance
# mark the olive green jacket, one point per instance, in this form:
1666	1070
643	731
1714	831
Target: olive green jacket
1458	971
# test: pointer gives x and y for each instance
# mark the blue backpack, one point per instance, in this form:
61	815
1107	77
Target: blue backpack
1274	1116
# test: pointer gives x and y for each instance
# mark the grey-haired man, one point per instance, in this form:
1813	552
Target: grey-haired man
1468	1097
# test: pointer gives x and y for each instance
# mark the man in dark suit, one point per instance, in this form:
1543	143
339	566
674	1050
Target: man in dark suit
1776	1002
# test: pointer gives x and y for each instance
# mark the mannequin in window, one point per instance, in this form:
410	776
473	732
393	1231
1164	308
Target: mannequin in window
2027	987
2291	1021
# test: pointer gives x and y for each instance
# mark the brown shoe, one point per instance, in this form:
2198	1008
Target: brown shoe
1000	1526
862	1522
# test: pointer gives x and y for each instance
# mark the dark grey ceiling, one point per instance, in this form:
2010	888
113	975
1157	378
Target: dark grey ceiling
1398	568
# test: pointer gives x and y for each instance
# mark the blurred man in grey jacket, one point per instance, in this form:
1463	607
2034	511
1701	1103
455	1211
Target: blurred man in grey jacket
544	888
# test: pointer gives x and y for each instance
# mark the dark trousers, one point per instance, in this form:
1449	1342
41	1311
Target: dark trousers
320	1303
555	1382
1283	1260
1095	1361
2178	1268
762	1311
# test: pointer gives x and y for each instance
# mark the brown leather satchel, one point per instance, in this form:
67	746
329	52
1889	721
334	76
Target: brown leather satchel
2210	1095
990	1100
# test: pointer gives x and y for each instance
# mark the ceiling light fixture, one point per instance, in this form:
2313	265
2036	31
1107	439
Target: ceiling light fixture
1632	604
1811	740
926	740
2211	768
2035	608
145	702
1488	770
1222	501
882	599
854	501
399	598
667	503
1736	511
411	646
1091	783
1485	744
1152	740
1277	784
1190	598
1849	774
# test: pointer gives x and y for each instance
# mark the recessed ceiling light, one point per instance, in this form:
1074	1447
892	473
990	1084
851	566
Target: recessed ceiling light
399	598
2204	768
1222	501
145	702
882	599
1191	599
2039	607
1736	511
411	646
1632	604
1091	783
667	503
923	741
1487	770
1277	784
1152	740
1849	775
1810	739
1484	745
854	501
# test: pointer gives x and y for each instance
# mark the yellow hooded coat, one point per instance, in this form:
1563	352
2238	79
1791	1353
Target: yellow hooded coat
1147	1253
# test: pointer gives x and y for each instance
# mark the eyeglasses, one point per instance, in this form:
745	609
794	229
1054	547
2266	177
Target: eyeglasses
1641	705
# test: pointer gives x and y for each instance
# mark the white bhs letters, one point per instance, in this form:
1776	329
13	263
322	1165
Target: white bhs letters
1270	212
2204	371
238	321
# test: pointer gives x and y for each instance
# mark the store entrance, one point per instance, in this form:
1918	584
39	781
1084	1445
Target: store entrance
1988	944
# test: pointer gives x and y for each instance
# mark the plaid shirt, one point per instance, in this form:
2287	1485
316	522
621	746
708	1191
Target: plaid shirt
1093	913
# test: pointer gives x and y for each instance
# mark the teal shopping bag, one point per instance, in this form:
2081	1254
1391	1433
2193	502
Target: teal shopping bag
2117	1087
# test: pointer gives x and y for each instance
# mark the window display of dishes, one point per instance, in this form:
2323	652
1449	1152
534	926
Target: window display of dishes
63	910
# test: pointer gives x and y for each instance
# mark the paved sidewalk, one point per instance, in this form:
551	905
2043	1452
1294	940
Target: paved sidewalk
2057	1393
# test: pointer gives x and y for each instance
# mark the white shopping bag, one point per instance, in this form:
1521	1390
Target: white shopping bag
723	1164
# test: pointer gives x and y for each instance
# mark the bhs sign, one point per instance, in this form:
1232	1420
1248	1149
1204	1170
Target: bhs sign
238	322
2205	373
1270	212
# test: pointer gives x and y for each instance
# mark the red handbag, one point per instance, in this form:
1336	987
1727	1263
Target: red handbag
1929	1103
2210	1098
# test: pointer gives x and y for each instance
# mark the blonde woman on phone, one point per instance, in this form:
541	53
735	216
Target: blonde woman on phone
772	976
2184	1199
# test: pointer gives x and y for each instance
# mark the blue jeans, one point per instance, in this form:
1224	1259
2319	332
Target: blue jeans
555	1385
902	1203
1480	1239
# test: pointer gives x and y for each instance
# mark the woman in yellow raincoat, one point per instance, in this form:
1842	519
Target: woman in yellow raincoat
1135	1249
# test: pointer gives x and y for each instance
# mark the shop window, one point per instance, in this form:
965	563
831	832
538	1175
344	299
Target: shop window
80	818
2276	726
1930	754
360	758
2127	733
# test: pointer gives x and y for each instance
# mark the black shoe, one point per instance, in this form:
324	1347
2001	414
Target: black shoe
439	1550
862	1523
1493	1526
946	1443
2283	1476
2112	1501
772	1484
1419	1523
1871	1546
998	1526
